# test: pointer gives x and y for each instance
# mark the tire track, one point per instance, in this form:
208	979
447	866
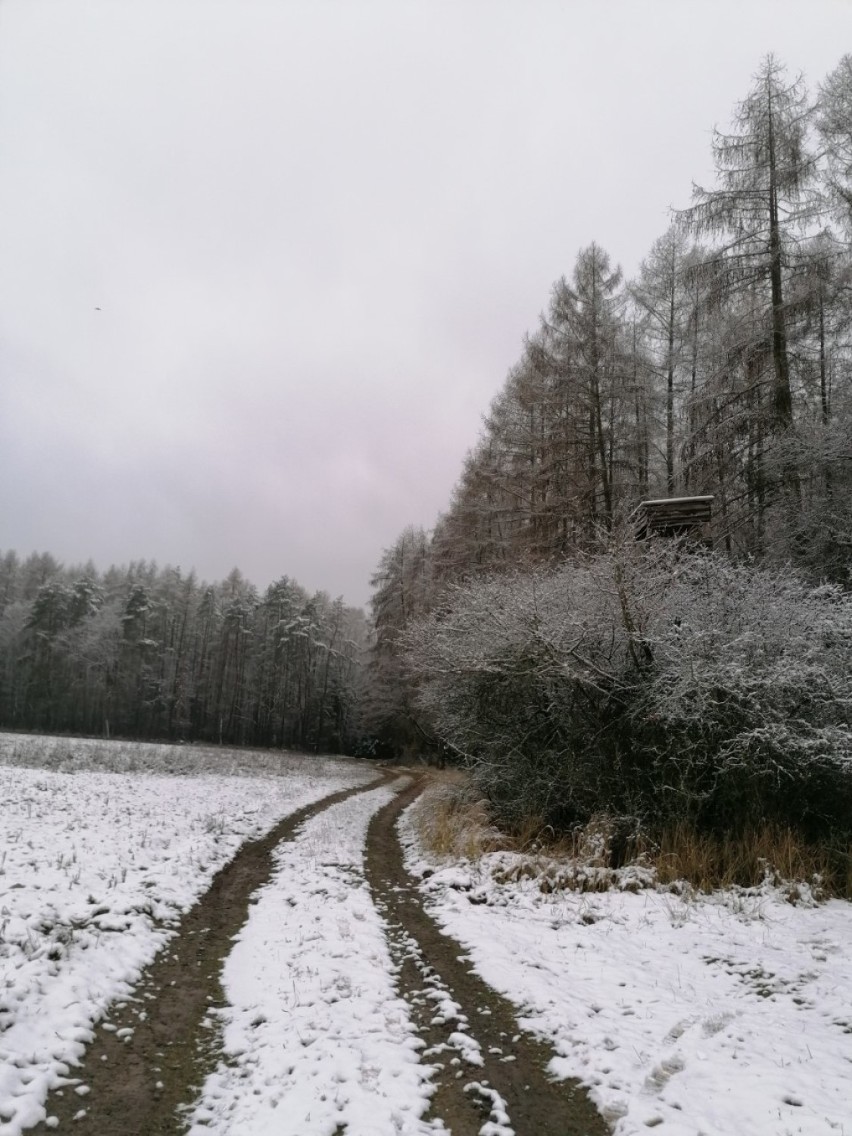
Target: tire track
148	1062
490	1075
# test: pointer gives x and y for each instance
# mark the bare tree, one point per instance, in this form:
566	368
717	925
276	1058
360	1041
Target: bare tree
765	197
834	123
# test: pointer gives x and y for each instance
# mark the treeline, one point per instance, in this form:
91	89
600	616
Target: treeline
722	369
149	652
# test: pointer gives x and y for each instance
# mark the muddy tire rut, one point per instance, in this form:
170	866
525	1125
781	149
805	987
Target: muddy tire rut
143	1070
487	1068
150	1056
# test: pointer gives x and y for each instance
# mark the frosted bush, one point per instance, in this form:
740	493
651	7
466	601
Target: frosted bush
647	682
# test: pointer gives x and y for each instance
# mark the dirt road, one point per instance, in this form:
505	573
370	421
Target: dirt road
433	972
146	1065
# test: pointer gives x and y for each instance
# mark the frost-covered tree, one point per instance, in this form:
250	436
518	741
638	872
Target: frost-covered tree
664	297
402	586
584	346
764	198
834	122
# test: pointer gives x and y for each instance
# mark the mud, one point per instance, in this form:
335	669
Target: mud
150	1057
138	1082
433	968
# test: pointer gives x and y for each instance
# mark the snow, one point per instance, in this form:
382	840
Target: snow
315	1038
691	1014
96	867
699	1015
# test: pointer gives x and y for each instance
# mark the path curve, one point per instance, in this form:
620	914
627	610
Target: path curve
144	1071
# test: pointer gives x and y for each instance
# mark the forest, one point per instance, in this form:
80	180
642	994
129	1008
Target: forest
145	652
577	671
528	634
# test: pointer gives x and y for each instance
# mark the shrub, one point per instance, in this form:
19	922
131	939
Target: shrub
647	682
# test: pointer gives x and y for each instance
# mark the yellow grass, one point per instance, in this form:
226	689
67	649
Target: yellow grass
453	820
779	854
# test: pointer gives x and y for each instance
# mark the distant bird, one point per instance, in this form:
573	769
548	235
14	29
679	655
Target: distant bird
97	309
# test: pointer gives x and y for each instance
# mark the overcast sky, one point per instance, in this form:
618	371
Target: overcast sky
264	265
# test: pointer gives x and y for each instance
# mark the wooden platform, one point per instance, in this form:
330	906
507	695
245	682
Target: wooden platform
672	516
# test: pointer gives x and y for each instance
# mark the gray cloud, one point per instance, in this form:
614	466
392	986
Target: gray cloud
316	233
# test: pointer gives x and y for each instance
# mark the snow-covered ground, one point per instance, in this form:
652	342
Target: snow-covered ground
315	1038
96	865
691	1015
694	1016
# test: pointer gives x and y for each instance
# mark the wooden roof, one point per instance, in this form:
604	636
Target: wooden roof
671	516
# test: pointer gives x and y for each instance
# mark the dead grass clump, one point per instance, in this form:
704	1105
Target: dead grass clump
452	819
554	875
770	854
617	853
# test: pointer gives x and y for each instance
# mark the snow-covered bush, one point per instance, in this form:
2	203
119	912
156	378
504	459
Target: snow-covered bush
649	682
749	705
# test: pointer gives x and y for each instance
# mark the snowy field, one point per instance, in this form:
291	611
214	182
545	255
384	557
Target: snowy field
102	846
688	1016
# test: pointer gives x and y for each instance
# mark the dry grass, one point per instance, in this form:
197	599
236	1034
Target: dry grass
776	854
453	820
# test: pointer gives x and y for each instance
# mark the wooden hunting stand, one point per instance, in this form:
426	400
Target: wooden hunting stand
674	516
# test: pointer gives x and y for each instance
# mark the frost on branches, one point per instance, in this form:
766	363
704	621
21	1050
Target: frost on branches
647	682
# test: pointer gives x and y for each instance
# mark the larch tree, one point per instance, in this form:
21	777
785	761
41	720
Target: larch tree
401	586
662	296
584	339
834	123
763	200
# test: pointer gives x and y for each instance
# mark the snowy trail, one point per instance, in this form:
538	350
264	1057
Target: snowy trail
325	982
490	1076
143	1064
316	1039
348	1011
